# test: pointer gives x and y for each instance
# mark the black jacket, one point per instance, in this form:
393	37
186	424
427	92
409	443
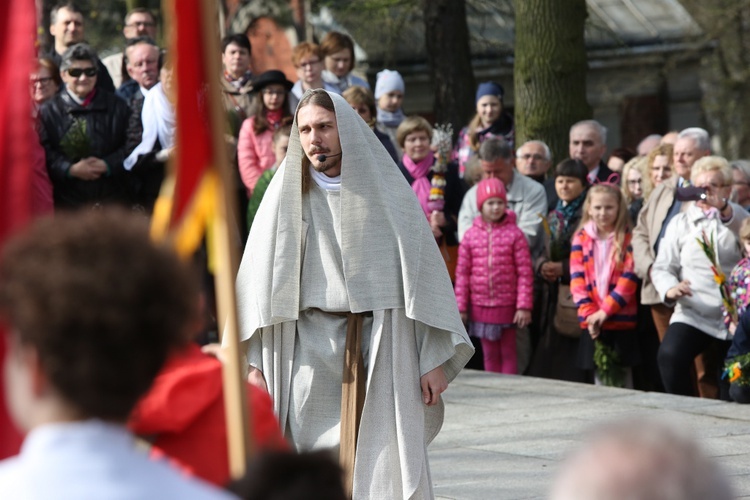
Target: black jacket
106	119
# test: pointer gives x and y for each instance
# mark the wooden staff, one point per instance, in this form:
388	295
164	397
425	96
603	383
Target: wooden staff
225	241
352	398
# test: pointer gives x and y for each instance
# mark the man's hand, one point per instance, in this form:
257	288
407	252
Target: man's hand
522	318
433	383
464	317
682	289
551	271
256	378
88	169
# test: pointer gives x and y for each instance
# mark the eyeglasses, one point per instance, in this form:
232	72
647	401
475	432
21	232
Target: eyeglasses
635	182
145	24
309	63
77	72
273	92
40	81
528	157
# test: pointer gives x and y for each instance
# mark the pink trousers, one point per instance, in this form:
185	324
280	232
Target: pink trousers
500	355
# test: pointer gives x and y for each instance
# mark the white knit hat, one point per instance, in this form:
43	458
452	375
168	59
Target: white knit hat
388	81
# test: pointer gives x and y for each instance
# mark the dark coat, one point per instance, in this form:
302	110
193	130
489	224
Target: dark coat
106	119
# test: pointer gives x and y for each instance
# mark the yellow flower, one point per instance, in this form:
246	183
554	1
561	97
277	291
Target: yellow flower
735	372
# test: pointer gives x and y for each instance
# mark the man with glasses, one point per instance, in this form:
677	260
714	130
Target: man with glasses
534	159
139	23
82	131
66	26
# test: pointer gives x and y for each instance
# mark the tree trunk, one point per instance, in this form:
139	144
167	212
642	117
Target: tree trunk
550	71
725	77
449	58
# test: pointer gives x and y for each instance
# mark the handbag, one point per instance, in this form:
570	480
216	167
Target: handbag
566	313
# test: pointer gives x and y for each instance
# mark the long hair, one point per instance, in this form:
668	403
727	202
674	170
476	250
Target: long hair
318	97
640	164
622	222
473	132
261	124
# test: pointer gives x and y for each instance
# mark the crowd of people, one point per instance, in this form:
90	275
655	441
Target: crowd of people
624	269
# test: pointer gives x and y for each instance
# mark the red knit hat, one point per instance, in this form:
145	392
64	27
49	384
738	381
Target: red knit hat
490	188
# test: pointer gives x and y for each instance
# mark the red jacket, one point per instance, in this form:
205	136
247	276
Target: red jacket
621	303
183	416
494	266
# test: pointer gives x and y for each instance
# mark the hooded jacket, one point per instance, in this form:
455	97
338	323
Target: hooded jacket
183	413
494	266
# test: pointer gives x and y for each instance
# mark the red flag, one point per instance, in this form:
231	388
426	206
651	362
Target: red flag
197	200
188	204
17	146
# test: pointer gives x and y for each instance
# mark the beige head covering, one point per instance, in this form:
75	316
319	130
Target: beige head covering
390	257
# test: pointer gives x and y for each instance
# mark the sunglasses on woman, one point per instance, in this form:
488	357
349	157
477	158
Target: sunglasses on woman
76	72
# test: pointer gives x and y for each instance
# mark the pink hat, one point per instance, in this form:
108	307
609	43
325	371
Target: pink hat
490	188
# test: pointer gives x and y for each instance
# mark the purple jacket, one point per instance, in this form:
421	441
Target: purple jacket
494	266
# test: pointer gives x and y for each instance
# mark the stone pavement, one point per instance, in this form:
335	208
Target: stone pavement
504	436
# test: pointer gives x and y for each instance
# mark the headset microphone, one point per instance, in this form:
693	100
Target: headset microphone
323	158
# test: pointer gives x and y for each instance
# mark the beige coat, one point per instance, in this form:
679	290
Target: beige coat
646	232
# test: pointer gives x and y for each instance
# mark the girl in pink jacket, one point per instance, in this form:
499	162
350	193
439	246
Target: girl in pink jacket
494	278
255	143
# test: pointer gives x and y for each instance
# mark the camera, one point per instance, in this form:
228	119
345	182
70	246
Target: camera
691	193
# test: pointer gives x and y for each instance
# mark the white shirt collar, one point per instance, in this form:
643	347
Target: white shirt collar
325	182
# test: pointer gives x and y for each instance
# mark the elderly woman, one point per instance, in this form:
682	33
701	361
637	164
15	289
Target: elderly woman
683	277
557	350
636	186
83	132
414	136
339	61
660	163
45	81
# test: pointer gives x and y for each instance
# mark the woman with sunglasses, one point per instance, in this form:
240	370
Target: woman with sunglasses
83	131
255	152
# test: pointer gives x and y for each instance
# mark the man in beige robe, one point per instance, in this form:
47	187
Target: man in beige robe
339	231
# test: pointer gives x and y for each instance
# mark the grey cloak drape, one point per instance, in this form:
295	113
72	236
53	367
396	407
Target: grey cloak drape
392	267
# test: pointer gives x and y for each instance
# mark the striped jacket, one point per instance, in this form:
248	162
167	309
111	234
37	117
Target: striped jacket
621	304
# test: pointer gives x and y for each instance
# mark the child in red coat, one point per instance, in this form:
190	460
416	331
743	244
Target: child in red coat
494	278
